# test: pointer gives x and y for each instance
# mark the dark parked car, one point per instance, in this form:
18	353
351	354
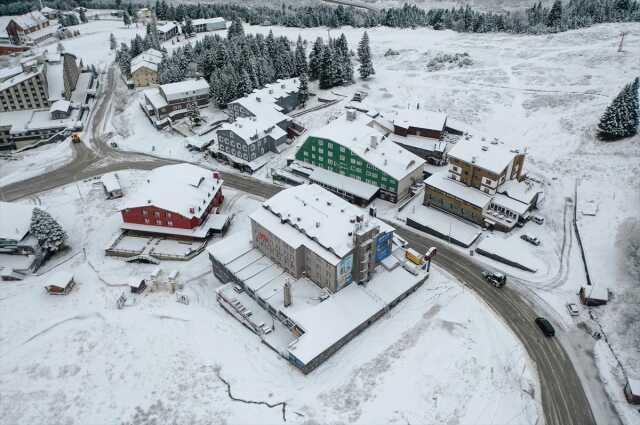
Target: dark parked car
545	326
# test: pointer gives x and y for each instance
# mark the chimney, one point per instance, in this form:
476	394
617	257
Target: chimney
257	99
374	142
351	115
317	224
473	159
485	148
287	294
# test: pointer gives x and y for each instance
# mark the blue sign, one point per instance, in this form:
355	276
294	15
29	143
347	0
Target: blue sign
383	246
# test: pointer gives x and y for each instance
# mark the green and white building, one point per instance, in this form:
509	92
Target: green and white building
357	162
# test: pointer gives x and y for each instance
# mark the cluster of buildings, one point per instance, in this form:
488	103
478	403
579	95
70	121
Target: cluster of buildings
41	96
314	272
169	102
260	125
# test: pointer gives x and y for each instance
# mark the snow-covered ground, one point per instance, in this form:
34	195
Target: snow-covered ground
78	359
34	162
544	93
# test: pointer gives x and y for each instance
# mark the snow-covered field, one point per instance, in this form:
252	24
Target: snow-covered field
78	359
544	93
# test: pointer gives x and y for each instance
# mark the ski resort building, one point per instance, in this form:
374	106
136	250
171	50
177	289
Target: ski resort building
314	273
171	101
271	102
209	24
245	141
420	132
358	162
167	31
144	68
30	28
175	200
484	184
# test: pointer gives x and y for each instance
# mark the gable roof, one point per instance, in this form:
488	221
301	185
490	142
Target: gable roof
184	189
30	20
173	91
252	129
358	137
420	119
15	220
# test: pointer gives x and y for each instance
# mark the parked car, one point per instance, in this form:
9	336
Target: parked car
496	279
573	309
537	219
545	327
531	239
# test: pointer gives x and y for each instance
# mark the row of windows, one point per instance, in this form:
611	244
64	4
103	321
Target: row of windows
158	222
157	214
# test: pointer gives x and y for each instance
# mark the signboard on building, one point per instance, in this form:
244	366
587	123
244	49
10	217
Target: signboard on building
343	272
383	246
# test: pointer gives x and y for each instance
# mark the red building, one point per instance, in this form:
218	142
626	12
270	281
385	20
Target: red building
175	200
32	26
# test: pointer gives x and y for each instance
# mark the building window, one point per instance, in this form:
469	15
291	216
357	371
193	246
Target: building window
159	222
146	221
145	213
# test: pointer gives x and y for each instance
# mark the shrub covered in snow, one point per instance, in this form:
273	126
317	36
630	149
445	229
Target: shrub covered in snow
47	231
446	61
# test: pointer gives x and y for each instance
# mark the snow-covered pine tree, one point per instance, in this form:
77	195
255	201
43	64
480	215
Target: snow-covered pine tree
47	231
300	58
554	17
194	114
303	89
327	69
126	19
620	119
235	29
188	27
345	65
364	56
83	17
315	59
112	42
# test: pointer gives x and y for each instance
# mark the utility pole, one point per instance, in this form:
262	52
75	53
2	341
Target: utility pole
622	34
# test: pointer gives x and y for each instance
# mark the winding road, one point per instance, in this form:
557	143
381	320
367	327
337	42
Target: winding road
564	401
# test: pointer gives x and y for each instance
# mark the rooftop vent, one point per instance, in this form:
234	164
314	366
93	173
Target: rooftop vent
257	99
485	148
329	203
351	115
473	159
317	224
374	142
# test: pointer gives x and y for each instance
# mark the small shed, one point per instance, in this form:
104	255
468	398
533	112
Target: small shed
593	296
138	286
60	283
111	185
632	391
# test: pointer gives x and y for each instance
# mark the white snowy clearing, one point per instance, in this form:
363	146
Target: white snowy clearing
78	359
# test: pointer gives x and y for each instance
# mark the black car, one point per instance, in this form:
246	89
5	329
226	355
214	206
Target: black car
545	326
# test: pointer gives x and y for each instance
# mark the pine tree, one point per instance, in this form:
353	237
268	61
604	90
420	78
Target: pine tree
327	68
554	17
620	119
315	59
303	89
235	29
113	42
344	60
364	56
126	19
47	231
194	114
188	27
83	17
300	58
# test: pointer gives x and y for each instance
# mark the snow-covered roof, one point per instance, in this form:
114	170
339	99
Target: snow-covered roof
60	106
181	188
20	77
9	72
30	20
425	143
55	81
492	157
187	88
312	216
596	292
166	27
252	129
427	120
15	220
48	9
357	136
262	102
469	194
60	278
510	203
634	386
143	64
355	187
110	182
154	97
202	21
150	55
524	191
36	119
